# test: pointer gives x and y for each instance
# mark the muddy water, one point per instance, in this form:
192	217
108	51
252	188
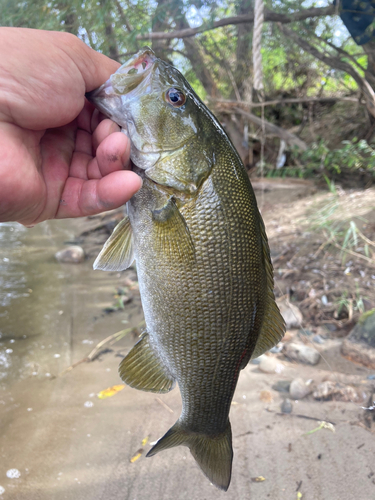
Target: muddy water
33	296
51	315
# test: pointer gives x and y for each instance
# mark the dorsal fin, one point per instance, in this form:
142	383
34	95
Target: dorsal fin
273	327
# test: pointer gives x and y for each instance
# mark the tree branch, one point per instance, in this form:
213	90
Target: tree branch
242	104
269	16
336	63
272	129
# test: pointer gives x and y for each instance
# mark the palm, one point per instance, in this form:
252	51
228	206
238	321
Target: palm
58	160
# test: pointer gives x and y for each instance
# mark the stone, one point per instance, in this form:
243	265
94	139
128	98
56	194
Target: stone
299	389
359	346
71	255
301	353
286	406
281	386
292	315
270	364
318	339
328	390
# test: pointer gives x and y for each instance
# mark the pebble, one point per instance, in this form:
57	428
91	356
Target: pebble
277	348
71	255
299	389
301	353
270	364
281	386
292	315
318	339
286	406
2	490
13	473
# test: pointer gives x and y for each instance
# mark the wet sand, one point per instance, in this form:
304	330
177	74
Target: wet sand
68	444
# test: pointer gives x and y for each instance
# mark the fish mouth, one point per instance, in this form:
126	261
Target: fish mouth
107	97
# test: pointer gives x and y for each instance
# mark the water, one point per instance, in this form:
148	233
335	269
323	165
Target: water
51	315
31	297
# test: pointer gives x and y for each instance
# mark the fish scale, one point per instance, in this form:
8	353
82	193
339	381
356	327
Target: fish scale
202	257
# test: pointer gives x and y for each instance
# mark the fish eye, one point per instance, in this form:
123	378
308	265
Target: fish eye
175	97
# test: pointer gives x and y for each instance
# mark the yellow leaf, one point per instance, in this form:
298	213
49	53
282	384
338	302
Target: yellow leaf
136	456
111	391
258	479
299	495
133	459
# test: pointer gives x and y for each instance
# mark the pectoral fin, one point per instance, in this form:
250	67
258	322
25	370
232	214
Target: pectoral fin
143	370
273	327
172	234
118	251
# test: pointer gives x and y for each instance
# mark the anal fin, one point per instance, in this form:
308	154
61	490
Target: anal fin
143	370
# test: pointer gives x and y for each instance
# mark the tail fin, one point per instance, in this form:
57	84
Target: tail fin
213	454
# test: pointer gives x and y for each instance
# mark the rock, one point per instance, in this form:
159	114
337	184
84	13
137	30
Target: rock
331	327
256	361
277	348
281	386
318	339
299	389
301	353
269	364
292	315
286	406
71	255
359	346
339	392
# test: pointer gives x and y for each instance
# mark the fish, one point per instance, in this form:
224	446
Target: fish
202	256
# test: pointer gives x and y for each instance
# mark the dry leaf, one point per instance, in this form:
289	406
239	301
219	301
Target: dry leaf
258	479
266	396
136	456
111	391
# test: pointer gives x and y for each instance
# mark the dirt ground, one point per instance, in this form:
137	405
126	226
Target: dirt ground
65	443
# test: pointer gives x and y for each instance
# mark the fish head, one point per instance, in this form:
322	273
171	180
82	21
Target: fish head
162	116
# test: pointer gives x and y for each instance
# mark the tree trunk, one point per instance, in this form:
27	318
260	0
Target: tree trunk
243	50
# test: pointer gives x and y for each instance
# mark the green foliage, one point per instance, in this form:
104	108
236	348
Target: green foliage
218	63
353	155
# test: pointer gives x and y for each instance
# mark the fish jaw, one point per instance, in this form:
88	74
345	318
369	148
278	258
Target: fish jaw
105	99
111	97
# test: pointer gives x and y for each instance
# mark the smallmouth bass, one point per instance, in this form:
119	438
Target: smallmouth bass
203	261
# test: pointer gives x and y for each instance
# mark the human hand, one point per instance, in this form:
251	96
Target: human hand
58	159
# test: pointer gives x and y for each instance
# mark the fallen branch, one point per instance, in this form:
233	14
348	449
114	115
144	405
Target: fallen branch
272	129
297	415
115	337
